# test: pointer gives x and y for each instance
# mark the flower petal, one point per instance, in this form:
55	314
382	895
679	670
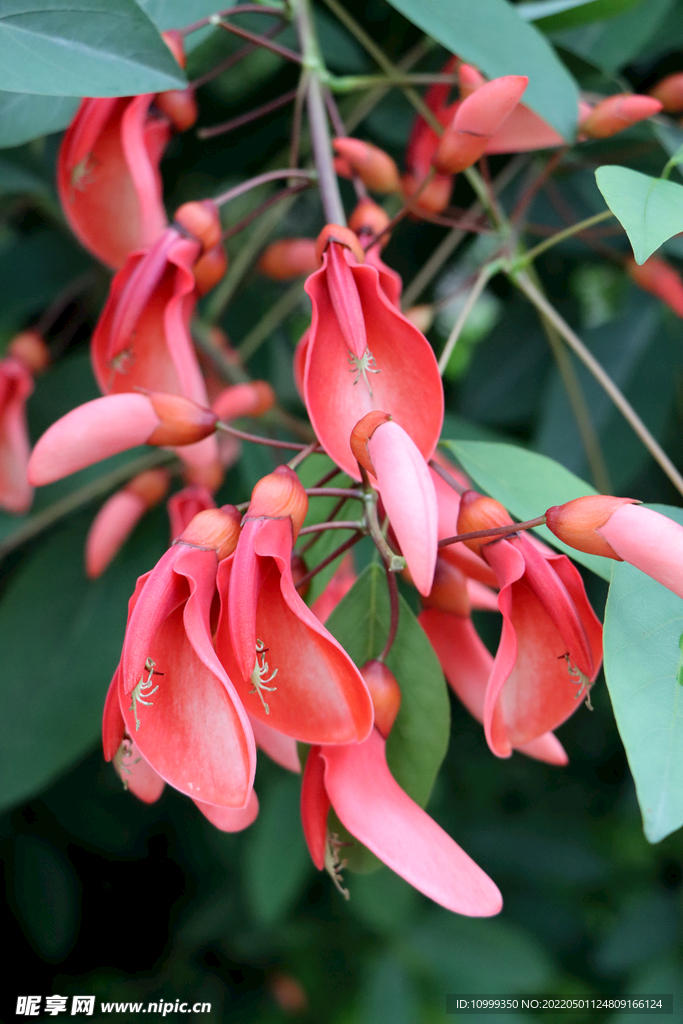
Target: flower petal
315	806
648	540
279	748
231	819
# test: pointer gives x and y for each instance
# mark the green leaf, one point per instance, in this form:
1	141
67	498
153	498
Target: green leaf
650	210
24	116
177	13
527	484
552	15
83	48
62	641
418	741
613	43
277	861
643	627
490	34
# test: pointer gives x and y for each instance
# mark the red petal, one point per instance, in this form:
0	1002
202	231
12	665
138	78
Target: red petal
16	384
230	819
374	808
279	748
315	806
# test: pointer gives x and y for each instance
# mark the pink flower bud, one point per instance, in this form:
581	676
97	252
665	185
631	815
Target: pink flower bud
289	258
217	529
374	167
385	693
616	113
278	495
576	522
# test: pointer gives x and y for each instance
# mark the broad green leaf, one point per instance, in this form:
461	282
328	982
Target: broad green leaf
490	34
613	43
62	640
553	15
83	48
178	13
277	860
418	741
527	484
643	628
24	116
650	210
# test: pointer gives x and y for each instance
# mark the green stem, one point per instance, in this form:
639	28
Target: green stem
271	319
574	229
352	83
484	276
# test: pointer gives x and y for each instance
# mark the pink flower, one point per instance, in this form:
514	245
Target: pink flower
356	781
119	516
363	355
16	384
289	670
478	117
550	648
112	424
625	530
175	697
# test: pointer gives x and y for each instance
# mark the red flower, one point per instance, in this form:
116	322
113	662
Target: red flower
16	384
289	670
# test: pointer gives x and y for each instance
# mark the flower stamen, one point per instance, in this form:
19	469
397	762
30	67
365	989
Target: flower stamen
577	676
362	367
260	672
334	865
143	686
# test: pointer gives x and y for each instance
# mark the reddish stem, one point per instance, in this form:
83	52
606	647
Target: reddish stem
267	44
268	441
330	558
495	531
261	179
251	115
241	9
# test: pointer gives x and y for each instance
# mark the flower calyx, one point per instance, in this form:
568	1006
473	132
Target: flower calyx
479	512
215	529
278	495
577	522
361	434
342	236
181	421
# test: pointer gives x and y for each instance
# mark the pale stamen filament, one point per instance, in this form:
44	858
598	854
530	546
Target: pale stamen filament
362	367
143	687
258	676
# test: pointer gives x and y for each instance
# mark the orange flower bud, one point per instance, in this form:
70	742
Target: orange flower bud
202	220
477	512
174	40
182	420
669	92
374	167
576	522
180	107
278	495
210	475
361	434
369	219
30	349
661	279
449	590
217	528
344	236
210	268
289	258
249	399
616	113
434	197
288	993
476	119
150	486
385	693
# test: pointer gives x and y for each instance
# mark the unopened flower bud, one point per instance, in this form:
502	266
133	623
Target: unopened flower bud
289	258
180	107
280	494
361	434
207	475
182	421
385	693
659	278
669	92
174	40
374	167
469	80
217	528
369	218
477	512
252	399
30	349
344	236
449	590
434	197
201	219
477	118
576	522
616	113
210	268
150	486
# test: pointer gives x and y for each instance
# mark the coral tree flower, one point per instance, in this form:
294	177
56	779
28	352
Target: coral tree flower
465	660
289	670
362	354
119	516
550	648
623	529
16	384
175	697
356	781
109	425
405	484
476	121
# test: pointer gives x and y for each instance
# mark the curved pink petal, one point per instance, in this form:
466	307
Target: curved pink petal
113	725
110	529
390	281
545	748
108	178
522	131
137	775
16	384
231	819
241	578
402	377
465	660
482	598
89	433
484	111
405	484
338	587
320	696
315	806
648	540
184	505
279	748
374	808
